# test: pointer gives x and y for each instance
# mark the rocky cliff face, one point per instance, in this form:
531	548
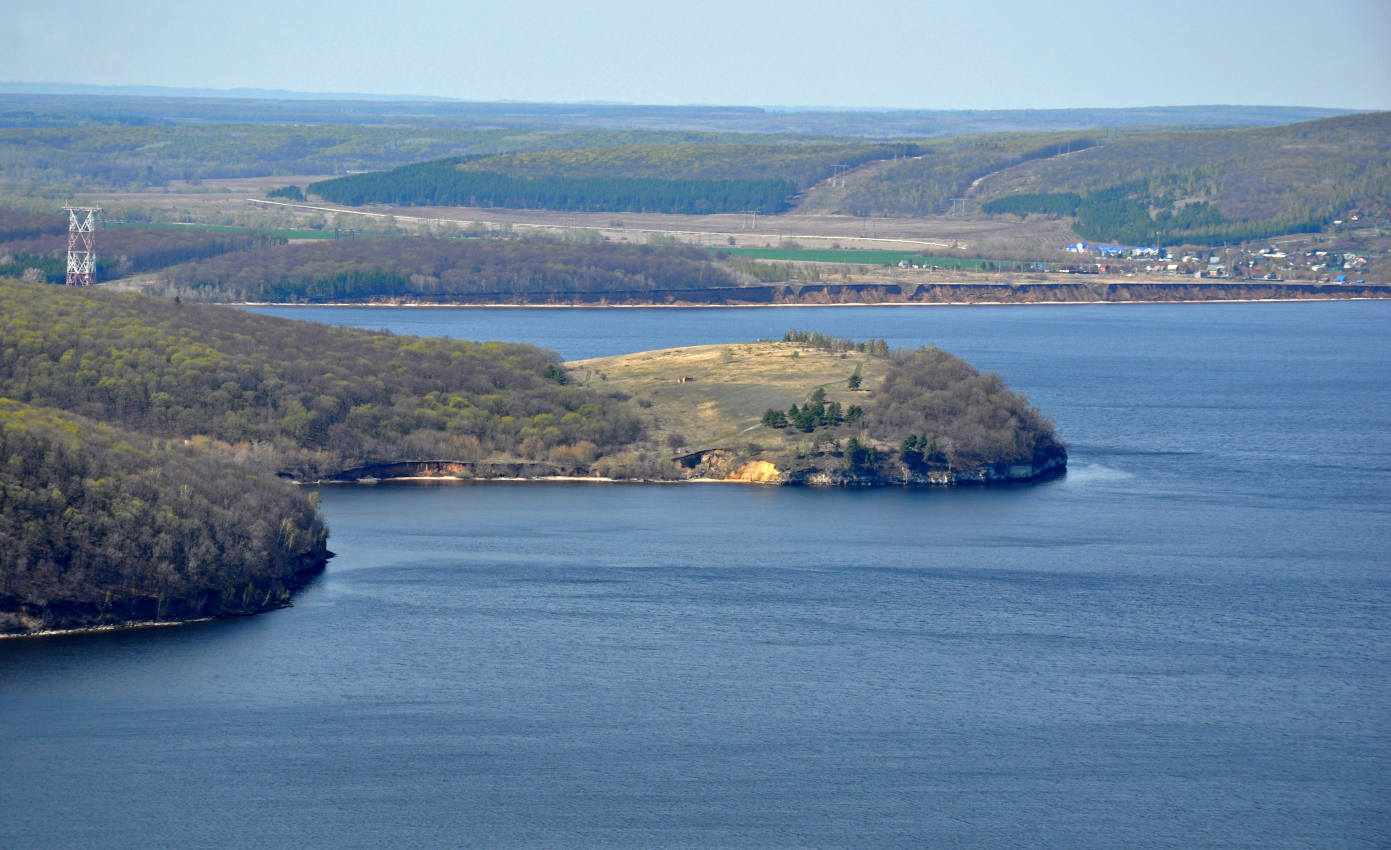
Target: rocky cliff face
726	465
721	465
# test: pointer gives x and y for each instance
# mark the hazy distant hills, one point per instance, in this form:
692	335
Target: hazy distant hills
1155	186
1157	175
46	104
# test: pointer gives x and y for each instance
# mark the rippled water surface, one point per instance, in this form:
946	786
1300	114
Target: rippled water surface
1185	642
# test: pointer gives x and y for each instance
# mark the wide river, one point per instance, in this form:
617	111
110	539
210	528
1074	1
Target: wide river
1186	642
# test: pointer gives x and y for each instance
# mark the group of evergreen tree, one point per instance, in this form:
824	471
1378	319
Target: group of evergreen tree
289	193
859	457
445	184
816	413
837	345
919	451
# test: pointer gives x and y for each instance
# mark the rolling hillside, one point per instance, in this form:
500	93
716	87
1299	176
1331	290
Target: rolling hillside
1208	186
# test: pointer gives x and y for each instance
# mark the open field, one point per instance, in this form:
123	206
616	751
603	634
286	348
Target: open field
242	200
805	249
713	396
862	257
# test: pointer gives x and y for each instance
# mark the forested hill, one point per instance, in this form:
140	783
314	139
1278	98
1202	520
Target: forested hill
141	438
101	526
298	398
1208	186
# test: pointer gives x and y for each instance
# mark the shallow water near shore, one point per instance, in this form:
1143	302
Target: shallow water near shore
1184	642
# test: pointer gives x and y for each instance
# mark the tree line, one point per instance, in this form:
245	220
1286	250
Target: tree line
835	344
299	398
1138	215
120	250
445	185
440	269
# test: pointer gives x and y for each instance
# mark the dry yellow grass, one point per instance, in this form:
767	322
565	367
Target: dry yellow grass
714	396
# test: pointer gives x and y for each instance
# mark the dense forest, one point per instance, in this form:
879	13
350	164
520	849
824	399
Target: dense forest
959	416
299	398
1211	186
446	185
441	269
686	178
104	526
19	224
121	250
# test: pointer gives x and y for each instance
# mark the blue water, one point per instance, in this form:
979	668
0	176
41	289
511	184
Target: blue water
1185	642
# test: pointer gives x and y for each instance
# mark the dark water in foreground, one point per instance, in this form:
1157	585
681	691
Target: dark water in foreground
1186	642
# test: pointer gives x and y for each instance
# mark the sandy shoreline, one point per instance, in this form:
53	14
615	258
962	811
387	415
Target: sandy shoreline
515	479
110	627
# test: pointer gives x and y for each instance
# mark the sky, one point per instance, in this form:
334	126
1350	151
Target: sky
969	54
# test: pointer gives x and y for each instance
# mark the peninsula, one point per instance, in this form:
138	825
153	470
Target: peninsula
152	447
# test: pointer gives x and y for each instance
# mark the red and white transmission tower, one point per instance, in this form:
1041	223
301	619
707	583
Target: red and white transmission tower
82	250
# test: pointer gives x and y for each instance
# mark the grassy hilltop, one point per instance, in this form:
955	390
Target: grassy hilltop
815	409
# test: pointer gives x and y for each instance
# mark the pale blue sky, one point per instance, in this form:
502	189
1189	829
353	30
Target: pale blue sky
872	53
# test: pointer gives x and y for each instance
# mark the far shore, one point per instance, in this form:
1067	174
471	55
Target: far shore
745	306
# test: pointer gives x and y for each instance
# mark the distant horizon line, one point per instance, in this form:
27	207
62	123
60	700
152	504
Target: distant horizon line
255	93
